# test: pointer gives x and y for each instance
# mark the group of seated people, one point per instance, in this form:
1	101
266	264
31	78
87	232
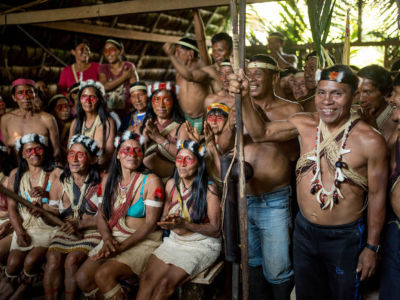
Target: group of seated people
132	170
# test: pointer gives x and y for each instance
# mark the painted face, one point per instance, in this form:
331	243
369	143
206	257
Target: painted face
162	104
224	73
139	100
299	87
78	159
89	99
130	155
309	73
259	82
24	95
371	99
216	122
33	153
220	51
111	52
62	110
186	163
333	101
395	104
81	53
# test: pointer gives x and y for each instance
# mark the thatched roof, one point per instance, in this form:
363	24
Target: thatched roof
20	56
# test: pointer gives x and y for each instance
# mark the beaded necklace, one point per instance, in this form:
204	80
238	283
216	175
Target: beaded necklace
328	198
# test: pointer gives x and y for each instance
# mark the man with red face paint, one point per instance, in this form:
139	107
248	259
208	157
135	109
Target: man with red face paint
376	85
342	160
25	120
75	198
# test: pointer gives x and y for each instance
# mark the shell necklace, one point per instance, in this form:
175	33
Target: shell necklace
328	198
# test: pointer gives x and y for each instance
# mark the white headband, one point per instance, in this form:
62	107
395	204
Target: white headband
91	83
30	138
87	142
182	43
262	65
138	88
127	135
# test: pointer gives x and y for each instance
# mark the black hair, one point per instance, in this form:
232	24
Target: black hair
265	59
77	84
396	80
288	71
101	110
314	54
93	171
177	114
77	42
396	66
223	36
380	76
348	76
115	173
198	201
47	163
190	41
7	161
116	43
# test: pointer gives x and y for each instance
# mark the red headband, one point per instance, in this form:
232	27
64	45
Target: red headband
22	81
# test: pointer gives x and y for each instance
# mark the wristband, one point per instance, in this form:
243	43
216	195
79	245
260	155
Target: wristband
373	248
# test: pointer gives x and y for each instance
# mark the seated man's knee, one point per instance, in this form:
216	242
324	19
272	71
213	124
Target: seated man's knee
53	261
83	280
104	275
14	264
72	262
166	287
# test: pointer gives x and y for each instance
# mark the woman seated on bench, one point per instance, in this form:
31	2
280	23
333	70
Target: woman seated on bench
132	204
192	213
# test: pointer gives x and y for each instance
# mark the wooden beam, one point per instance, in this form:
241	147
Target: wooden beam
107	31
111	9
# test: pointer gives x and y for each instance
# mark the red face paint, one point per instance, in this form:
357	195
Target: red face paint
158	193
131	151
62	107
184	160
110	50
21	94
76	155
89	99
38	150
165	100
214	118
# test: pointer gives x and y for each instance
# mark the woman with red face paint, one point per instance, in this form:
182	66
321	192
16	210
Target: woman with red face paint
192	212
138	99
116	76
76	194
60	108
93	120
162	128
82	69
132	204
31	180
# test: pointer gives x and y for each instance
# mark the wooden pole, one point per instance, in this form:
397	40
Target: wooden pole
238	60
48	215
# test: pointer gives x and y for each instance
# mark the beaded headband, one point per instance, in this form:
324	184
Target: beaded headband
137	88
128	135
188	45
30	138
168	85
91	83
262	65
220	106
87	142
192	146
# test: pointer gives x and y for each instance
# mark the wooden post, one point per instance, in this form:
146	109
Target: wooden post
238	60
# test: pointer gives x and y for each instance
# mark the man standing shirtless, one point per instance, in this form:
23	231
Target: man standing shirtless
25	120
276	41
342	159
269	191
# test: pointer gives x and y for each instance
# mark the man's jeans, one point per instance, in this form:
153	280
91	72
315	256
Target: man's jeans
270	226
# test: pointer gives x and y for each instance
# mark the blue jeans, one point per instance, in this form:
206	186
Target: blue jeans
270	226
390	266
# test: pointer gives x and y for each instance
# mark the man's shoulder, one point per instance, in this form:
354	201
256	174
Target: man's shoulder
45	116
368	136
289	107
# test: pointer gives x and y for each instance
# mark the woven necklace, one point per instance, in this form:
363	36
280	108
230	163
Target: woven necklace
328	198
